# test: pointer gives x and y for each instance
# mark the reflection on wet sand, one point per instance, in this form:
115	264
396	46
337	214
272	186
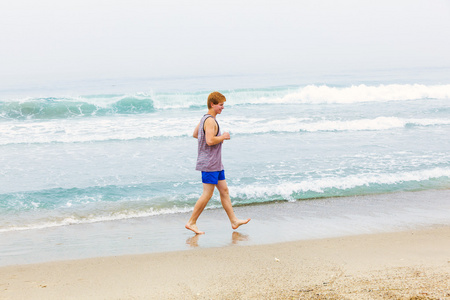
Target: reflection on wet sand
193	241
236	237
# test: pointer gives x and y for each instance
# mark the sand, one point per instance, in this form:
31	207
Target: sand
397	265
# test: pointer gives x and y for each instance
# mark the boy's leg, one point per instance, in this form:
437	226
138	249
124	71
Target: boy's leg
226	203
208	190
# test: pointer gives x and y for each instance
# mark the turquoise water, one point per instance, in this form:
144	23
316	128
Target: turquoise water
75	157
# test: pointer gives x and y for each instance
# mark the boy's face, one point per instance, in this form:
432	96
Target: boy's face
218	107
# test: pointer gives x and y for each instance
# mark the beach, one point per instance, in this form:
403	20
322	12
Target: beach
388	246
412	264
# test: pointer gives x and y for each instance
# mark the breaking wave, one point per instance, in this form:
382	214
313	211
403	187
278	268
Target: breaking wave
142	103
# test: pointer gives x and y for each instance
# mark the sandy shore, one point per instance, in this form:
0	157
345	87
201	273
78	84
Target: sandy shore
399	265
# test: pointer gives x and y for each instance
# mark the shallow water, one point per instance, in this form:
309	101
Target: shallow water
271	223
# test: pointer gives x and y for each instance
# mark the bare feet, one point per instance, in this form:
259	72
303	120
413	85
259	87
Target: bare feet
194	228
238	223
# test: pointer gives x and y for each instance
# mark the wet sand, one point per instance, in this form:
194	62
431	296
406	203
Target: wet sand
413	264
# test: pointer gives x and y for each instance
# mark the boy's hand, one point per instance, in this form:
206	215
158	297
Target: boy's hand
226	136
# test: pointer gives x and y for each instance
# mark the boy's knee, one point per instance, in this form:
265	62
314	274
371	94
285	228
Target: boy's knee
224	191
208	194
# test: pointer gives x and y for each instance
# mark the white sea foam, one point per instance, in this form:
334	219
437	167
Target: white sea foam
138	127
88	130
286	190
93	218
303	124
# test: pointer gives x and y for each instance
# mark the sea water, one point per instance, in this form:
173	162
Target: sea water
98	152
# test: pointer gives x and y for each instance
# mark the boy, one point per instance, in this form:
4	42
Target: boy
209	161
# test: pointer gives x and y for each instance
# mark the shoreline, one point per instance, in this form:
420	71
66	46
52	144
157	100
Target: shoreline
391	265
271	223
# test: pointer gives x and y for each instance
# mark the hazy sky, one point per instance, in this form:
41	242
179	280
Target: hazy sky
79	39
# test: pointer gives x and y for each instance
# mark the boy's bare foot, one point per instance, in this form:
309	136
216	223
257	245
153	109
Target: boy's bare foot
194	228
237	223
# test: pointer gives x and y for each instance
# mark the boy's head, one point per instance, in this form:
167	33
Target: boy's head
215	98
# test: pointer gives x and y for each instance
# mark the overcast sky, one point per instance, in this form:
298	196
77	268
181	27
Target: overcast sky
80	39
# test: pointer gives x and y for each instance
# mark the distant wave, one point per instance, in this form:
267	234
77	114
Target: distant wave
42	108
364	93
142	103
140	127
66	107
324	94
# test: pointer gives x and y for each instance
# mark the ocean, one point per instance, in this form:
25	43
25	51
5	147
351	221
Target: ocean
123	151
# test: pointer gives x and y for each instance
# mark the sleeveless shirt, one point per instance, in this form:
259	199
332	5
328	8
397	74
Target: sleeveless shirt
209	158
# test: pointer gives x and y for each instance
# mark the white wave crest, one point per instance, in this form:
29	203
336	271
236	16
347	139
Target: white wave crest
358	93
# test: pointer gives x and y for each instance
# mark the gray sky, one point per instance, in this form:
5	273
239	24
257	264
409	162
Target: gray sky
80	39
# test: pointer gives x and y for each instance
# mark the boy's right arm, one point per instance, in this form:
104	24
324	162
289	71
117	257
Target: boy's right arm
195	135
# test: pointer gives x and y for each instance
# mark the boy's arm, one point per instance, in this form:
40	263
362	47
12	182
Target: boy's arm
210	133
195	135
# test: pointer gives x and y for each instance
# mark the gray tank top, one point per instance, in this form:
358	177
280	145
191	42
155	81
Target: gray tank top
209	158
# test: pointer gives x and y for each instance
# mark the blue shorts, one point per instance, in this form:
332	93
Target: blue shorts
213	177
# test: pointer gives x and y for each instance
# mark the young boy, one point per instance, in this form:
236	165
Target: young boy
209	161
